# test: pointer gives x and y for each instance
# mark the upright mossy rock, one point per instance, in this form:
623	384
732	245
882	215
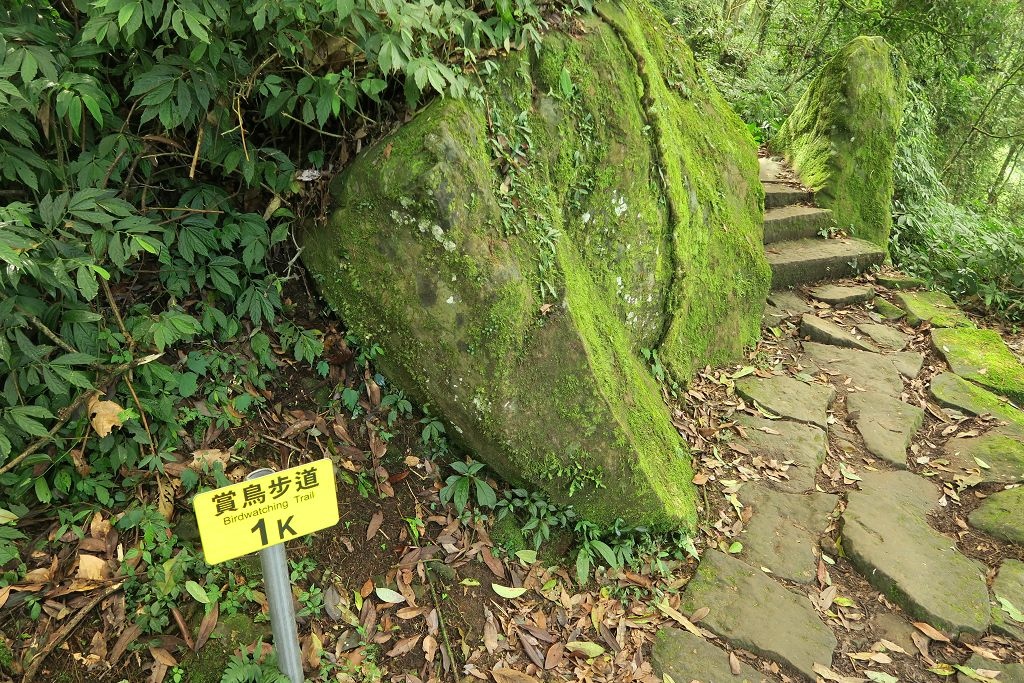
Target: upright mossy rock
513	260
841	136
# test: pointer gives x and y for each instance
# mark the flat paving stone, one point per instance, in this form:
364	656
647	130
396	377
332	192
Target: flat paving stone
788	397
885	336
686	657
887	538
900	281
1001	515
757	613
790	302
982	357
827	332
773	315
893	628
955	392
804	444
934	307
1008	673
839	295
871	371
1001	450
908	363
1009	585
784	530
886	424
773	169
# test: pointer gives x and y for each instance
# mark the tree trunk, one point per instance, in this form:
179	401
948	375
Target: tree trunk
1006	172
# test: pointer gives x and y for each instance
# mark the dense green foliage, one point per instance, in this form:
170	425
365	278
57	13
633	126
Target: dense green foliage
960	171
150	152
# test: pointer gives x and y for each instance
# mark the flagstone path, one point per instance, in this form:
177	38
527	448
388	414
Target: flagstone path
884	465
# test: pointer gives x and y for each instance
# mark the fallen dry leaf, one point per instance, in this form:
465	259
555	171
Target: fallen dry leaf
165	498
92	568
490	632
893	647
931	631
404	646
162	656
830	675
124	640
375	522
105	415
209	456
512	676
429	648
207	625
700	614
554	656
679	618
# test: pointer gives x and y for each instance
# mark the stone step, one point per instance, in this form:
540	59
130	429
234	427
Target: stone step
771	170
810	260
795	222
777	195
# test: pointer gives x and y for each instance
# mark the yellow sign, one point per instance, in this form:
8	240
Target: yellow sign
242	518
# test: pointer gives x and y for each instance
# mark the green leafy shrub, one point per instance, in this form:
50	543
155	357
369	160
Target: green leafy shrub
150	156
971	256
467	484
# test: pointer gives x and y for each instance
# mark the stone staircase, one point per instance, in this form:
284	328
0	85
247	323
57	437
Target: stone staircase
797	252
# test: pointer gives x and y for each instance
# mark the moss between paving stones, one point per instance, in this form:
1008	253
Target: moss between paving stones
640	201
982	357
1001	515
841	136
934	307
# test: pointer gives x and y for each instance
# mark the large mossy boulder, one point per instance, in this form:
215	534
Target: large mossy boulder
515	258
841	136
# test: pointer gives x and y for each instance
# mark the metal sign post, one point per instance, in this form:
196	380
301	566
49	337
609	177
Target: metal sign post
278	586
284	505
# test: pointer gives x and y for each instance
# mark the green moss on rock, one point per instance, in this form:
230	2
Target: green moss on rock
888	310
515	294
1001	515
982	357
933	307
955	392
841	136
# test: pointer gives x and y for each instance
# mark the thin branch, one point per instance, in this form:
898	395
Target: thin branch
1010	136
41	326
65	631
311	127
142	416
195	154
117	313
